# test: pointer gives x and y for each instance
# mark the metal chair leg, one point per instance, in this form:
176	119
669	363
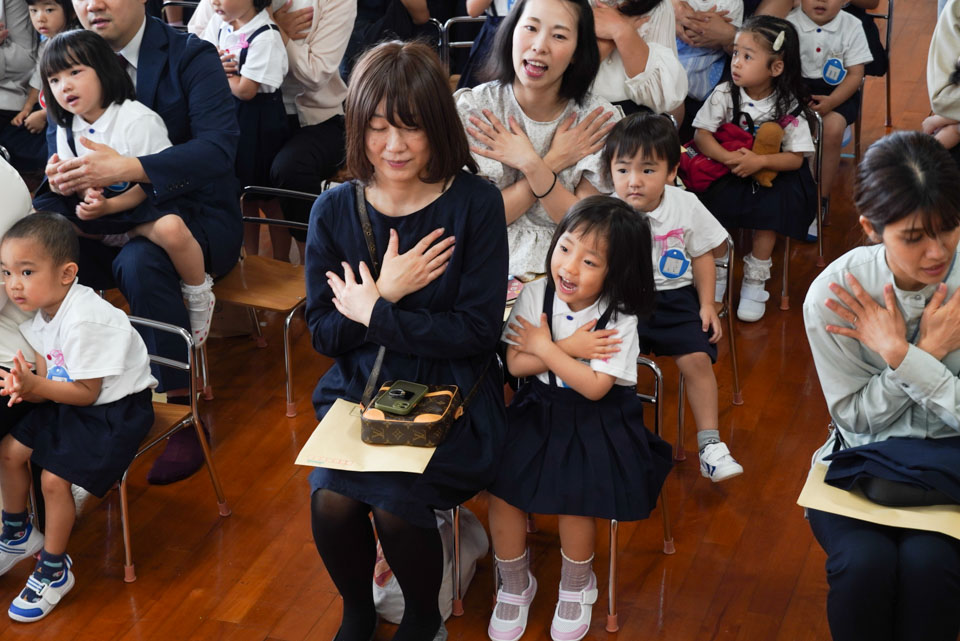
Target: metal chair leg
129	573
531	523
668	546
258	333
288	361
457	597
680	454
214	477
613	623
204	375
785	290
737	392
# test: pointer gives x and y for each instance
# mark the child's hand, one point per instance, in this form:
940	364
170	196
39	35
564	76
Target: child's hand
19	381
229	62
710	322
821	104
36	122
529	337
19	118
586	344
94	205
745	163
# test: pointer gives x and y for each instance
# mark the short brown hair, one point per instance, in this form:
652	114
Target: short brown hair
409	78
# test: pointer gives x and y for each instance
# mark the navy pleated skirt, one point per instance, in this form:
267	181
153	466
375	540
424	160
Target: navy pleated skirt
263	132
788	207
568	455
89	446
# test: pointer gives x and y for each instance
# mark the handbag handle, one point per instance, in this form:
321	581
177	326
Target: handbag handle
371	385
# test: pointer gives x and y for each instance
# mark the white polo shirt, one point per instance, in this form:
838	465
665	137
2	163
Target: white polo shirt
622	365
682	229
90	338
266	61
131	128
718	109
842	40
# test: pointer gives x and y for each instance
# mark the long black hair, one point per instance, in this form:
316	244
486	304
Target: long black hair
579	74
904	173
82	47
629	283
789	88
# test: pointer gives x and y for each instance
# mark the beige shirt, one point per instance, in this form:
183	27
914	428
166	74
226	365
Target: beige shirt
942	60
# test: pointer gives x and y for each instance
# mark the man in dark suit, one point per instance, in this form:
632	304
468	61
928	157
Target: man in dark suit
181	78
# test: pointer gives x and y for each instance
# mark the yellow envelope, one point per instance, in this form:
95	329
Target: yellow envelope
336	444
818	495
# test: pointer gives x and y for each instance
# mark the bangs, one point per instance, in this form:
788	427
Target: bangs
935	221
60	56
401	112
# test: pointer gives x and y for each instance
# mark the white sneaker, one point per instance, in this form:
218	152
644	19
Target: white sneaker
753	302
512	629
200	301
721	286
575	629
39	598
16	550
717	464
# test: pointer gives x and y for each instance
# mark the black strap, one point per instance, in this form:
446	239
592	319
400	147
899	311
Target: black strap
243	52
70	141
548	310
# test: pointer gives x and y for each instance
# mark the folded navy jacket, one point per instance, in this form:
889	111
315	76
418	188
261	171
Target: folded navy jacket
900	472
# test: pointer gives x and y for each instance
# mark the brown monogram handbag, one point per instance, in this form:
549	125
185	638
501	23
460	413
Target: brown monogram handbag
429	421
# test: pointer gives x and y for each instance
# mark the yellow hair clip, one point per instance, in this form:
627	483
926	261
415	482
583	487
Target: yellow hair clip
778	43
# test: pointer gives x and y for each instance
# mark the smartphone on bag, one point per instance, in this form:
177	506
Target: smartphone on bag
400	398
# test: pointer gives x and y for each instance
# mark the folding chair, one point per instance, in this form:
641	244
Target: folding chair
258	282
818	163
185	4
727	312
446	44
168	419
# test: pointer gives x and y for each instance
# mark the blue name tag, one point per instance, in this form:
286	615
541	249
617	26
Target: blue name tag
673	264
833	72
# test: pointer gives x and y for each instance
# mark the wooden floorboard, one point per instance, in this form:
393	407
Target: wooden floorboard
746	566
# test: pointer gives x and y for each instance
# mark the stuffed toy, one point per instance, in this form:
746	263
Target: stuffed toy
767	141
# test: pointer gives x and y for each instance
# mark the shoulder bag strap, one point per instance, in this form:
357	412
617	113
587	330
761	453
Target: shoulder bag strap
361	207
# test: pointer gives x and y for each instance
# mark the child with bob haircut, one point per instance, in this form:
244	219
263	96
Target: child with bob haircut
642	154
92	382
576	443
92	100
536	129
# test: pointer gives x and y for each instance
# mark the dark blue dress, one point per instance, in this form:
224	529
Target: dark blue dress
445	333
566	454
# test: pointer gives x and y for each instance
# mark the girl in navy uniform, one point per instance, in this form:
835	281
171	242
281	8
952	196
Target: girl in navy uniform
92	100
576	443
92	384
766	86
255	60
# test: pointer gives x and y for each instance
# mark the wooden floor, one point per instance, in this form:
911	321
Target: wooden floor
746	566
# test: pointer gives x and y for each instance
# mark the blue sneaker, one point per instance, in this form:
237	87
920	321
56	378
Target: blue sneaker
16	550
39	598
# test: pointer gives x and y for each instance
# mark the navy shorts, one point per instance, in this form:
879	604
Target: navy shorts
675	327
848	108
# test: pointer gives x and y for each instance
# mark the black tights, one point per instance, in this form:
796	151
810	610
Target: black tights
344	538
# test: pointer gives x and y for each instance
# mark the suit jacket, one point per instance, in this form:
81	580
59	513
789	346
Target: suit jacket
181	78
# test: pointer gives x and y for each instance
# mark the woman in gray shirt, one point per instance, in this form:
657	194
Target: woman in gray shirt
883	323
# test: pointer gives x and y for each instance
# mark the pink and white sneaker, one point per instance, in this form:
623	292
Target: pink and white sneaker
575	629
512	629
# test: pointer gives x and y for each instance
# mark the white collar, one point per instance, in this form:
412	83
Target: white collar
131	52
560	308
103	123
806	24
746	99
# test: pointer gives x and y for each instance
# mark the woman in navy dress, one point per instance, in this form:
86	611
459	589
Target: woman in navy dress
437	307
